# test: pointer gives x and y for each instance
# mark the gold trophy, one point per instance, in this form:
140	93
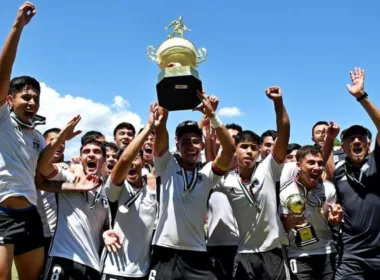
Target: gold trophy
177	85
305	235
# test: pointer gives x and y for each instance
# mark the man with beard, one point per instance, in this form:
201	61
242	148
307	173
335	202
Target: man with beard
111	152
252	193
21	232
312	258
123	134
357	182
180	246
46	203
129	247
83	212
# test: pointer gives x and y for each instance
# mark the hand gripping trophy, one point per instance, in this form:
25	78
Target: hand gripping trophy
178	80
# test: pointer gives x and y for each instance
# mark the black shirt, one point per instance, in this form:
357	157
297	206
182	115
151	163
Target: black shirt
358	192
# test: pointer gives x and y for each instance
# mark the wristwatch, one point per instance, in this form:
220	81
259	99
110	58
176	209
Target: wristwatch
361	97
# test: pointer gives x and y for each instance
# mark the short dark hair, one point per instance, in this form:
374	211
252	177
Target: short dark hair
51	130
268	133
292	146
110	145
91	134
318	123
92	140
153	132
125	125
122	149
247	136
234	126
308	149
17	84
188	127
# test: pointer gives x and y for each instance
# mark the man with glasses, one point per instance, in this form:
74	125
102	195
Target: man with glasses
311	257
357	182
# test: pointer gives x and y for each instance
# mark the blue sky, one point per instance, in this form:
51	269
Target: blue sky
96	50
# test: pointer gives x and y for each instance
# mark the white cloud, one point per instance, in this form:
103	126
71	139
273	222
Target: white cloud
59	110
119	103
230	112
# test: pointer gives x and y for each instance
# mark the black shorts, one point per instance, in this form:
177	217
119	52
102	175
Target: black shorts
47	244
319	267
64	269
266	265
115	277
222	260
170	263
21	227
362	266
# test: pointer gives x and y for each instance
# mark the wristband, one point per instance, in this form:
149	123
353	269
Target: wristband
360	98
215	121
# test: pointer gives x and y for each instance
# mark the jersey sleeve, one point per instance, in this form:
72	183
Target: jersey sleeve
289	171
213	174
274	166
283	210
162	162
113	191
4	111
61	174
330	192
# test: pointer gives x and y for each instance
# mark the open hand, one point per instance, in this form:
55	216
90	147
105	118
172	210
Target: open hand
357	78
111	240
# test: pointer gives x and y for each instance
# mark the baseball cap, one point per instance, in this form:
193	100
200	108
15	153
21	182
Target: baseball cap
355	129
186	127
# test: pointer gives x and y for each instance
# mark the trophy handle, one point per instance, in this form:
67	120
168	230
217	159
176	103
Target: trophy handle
151	53
201	55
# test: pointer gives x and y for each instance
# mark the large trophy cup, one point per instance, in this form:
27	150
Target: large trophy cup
178	80
305	235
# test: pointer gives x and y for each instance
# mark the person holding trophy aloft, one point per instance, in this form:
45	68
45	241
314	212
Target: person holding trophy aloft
308	211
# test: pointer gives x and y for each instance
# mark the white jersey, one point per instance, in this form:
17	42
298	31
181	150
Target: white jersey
222	226
182	213
317	199
135	230
82	217
19	152
47	208
255	207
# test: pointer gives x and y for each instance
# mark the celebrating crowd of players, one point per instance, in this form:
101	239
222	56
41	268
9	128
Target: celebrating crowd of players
134	210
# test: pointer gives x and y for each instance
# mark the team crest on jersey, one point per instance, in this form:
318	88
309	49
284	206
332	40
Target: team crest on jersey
152	196
36	144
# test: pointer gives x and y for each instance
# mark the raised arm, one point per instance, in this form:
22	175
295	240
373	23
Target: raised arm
161	144
327	149
283	124
123	164
224	158
45	163
357	90
8	53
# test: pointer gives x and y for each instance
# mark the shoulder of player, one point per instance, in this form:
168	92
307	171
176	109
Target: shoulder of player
288	188
328	186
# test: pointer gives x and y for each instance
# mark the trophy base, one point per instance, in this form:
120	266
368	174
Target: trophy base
306	236
177	88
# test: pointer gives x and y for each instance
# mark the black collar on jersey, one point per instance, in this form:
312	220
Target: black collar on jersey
97	194
248	189
124	208
37	120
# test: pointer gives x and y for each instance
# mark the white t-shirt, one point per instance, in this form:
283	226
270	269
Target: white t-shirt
19	152
47	208
222	226
322	194
135	229
181	213
260	227
82	218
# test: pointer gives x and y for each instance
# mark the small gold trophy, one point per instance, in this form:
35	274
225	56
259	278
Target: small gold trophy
305	235
177	85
